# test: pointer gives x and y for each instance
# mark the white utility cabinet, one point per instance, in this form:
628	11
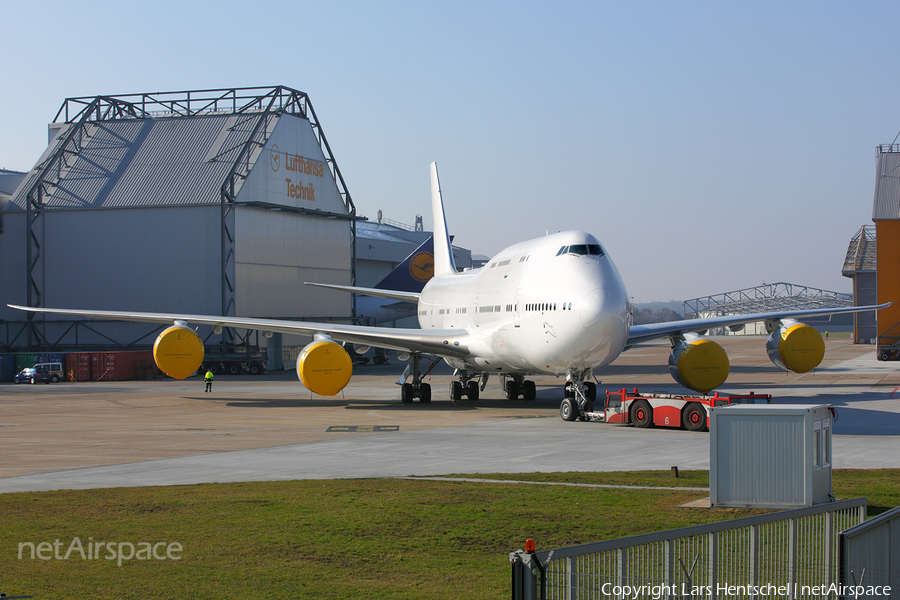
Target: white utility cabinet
769	455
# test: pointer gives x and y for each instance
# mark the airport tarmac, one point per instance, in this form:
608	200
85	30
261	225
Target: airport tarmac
167	432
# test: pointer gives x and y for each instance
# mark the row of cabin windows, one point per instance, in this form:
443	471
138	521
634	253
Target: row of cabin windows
530	307
488	309
548	306
505	262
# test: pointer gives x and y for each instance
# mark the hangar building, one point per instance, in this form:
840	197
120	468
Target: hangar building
860	266
886	215
772	297
382	244
200	202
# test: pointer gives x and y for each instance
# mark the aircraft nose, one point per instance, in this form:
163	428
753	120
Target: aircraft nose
603	312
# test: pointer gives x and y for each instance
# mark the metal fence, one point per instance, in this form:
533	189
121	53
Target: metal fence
790	554
870	557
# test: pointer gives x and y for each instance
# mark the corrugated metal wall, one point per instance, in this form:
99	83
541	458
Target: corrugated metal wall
151	259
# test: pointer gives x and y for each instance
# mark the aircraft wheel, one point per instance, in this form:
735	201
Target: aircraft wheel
568	410
641	414
588	406
406	393
694	417
425	393
512	389
590	390
529	392
472	390
455	391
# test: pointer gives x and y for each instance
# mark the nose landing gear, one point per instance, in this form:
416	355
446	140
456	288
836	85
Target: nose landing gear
580	395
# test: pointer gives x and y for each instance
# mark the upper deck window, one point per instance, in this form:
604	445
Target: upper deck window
582	249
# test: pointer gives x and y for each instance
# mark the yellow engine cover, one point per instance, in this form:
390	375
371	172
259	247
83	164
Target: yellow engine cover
700	365
178	352
798	348
324	367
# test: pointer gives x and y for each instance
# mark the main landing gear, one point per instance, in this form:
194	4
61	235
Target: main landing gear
417	388
470	385
580	395
517	385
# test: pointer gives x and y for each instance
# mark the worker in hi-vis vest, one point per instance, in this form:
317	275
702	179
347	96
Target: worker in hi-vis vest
209	380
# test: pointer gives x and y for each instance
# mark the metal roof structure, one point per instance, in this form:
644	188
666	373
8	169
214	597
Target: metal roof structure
146	162
887	183
392	231
162	149
764	298
861	253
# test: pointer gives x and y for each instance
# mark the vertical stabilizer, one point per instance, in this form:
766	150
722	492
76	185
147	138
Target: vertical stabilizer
443	255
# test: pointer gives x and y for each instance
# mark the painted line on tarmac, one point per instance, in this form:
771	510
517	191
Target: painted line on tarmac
588	485
361	428
892	397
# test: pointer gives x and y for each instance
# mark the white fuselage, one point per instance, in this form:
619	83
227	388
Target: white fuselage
532	309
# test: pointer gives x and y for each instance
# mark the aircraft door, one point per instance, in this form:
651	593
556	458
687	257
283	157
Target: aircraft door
518	308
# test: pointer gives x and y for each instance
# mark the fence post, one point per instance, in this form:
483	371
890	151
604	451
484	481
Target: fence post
713	564
622	575
754	557
527	571
670	569
829	546
793	558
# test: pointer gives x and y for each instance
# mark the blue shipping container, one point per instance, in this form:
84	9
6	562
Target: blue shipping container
7	367
52	357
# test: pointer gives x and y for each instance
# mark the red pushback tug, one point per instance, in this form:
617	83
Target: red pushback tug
666	410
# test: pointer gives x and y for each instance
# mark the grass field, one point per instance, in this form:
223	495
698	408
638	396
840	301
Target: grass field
339	538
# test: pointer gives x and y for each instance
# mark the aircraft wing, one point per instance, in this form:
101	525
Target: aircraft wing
412	297
645	333
439	342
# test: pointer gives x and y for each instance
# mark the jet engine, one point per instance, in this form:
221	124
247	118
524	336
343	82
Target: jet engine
795	346
698	364
324	367
178	351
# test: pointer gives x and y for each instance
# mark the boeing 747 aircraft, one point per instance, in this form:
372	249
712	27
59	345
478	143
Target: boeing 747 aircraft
554	305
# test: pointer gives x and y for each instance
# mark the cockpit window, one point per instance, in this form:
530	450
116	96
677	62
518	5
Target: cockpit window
582	249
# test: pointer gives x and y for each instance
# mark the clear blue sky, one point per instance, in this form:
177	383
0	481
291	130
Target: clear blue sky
709	145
